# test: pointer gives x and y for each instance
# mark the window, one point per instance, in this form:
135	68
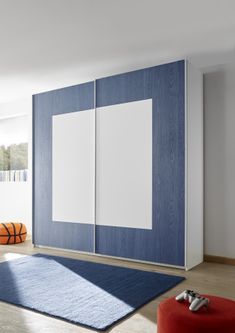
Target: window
14	149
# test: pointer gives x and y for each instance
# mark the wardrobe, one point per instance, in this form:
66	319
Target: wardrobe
118	166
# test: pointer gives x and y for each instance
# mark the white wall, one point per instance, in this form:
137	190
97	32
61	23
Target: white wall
16	198
219	106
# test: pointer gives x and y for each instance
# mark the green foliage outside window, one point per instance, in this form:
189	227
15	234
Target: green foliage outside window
14	157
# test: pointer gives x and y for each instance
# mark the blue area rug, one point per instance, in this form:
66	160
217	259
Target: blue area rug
81	292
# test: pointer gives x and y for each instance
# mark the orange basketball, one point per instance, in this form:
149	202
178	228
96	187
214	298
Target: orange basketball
12	233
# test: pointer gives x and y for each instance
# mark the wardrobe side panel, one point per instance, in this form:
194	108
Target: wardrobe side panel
194	183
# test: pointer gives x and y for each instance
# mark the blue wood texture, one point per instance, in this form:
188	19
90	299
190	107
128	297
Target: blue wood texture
45	232
165	242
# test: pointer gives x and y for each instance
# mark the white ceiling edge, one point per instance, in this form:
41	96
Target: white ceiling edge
49	44
19	87
208	62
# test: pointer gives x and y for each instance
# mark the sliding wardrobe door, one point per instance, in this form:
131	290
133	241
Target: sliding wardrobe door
140	165
64	168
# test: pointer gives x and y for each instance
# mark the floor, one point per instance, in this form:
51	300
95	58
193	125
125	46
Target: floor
208	278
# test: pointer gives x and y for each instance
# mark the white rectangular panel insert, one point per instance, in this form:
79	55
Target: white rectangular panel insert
124	165
73	165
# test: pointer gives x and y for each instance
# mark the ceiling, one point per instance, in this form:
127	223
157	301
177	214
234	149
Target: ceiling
46	44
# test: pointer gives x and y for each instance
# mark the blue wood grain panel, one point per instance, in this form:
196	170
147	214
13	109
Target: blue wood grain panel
45	232
165	242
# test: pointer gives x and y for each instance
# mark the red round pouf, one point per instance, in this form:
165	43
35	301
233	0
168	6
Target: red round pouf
175	317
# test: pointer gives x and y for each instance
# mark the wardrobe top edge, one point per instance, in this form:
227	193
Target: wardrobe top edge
105	77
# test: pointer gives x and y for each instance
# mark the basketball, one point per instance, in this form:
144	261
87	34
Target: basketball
12	233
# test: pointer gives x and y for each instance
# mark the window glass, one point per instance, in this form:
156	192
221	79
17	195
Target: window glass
14	149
